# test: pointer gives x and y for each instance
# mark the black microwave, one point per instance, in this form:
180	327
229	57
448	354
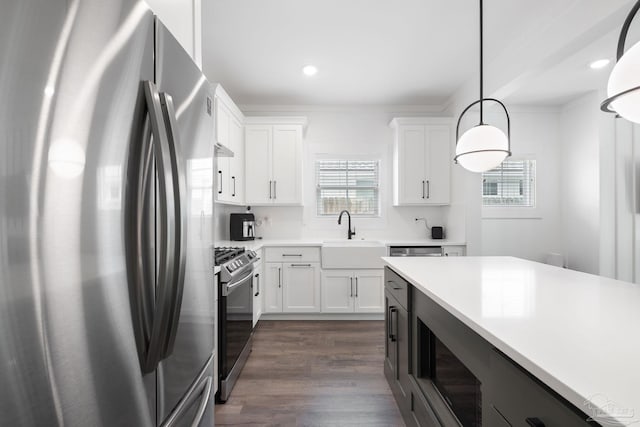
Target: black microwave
459	387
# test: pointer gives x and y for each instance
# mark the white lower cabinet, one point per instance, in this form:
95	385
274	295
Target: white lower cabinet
292	287
301	287
352	291
337	291
272	287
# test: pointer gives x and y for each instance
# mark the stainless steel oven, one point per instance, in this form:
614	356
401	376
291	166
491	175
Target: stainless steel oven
235	318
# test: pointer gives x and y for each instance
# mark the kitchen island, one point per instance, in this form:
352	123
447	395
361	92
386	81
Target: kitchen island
539	341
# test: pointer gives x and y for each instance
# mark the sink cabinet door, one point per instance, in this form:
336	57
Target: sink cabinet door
337	291
301	287
272	287
369	291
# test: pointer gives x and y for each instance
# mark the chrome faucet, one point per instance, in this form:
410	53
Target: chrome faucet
349	232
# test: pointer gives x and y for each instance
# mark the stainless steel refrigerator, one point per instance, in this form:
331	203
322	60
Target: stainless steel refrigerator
106	212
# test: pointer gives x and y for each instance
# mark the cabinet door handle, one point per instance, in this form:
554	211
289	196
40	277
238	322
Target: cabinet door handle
351	287
234	186
279	277
423	189
356	287
257	277
275	190
535	422
428	189
393	325
301	265
270	189
220	181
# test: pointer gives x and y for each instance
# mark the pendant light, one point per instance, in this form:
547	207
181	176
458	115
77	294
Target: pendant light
623	88
483	147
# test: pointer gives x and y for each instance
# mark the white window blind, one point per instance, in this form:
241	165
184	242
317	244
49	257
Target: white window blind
513	183
347	184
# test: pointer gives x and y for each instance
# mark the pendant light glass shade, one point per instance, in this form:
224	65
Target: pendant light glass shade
482	148
625	76
623	88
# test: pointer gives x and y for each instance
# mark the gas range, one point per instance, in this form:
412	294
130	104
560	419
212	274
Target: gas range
235	314
233	262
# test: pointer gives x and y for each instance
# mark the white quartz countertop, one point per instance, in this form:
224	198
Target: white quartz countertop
259	243
578	333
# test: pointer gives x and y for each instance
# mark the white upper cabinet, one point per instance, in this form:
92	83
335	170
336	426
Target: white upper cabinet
422	161
273	160
286	168
257	164
236	163
230	133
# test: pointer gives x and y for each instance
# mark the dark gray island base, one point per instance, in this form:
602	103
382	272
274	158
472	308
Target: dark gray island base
442	373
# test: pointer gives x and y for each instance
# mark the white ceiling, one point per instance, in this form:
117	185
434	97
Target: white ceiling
405	52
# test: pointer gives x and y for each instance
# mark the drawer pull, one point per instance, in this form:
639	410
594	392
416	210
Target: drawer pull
301	265
297	255
535	422
395	288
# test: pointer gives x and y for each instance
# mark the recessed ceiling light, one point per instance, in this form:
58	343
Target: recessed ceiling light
310	70
600	63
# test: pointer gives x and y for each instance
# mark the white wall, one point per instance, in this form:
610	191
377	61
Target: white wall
356	131
580	183
184	19
522	232
536	134
353	131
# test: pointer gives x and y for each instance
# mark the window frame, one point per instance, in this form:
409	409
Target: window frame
514	211
348	158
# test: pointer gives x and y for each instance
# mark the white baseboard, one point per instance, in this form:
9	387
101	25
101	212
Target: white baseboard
321	316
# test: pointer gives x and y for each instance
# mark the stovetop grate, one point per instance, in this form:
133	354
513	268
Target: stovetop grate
225	254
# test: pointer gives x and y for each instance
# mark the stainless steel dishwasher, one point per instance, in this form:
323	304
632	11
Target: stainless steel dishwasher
415	251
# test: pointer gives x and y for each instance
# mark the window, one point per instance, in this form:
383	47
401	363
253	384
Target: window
347	184
513	183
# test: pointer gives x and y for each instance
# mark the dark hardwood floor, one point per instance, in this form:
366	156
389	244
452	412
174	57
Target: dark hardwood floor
313	373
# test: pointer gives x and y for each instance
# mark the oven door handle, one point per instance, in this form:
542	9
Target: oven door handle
230	288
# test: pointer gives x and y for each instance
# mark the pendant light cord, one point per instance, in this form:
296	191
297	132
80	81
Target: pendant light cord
481	67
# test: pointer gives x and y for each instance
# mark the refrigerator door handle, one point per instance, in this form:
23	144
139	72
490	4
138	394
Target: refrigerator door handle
179	217
138	236
202	390
151	317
